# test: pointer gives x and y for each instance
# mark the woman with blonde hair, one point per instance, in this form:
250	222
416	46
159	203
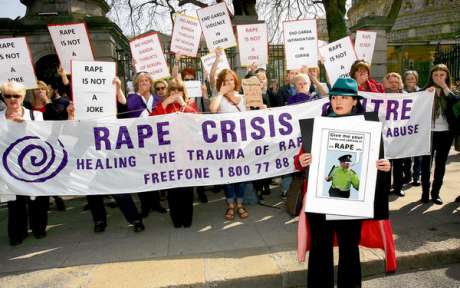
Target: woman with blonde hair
23	210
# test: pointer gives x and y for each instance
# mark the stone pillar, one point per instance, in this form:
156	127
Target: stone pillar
379	60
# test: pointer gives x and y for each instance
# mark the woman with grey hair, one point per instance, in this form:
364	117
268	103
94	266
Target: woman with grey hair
23	210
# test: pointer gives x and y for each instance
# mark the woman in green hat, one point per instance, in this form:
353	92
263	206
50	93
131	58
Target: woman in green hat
344	102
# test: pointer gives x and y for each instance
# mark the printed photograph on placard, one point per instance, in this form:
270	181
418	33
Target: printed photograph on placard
342	171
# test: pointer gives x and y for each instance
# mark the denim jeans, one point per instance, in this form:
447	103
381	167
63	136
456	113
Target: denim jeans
235	190
285	182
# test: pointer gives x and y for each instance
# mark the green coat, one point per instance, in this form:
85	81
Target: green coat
342	179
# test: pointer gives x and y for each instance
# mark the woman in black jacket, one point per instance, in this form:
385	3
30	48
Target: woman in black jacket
444	127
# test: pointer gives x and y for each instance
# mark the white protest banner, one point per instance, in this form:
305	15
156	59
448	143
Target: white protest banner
71	42
217	26
93	89
208	61
338	58
186	35
105	156
253	44
300	43
148	55
343	153
406	119
364	45
193	88
16	62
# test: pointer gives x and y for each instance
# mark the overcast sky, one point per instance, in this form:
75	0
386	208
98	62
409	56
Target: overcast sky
11	9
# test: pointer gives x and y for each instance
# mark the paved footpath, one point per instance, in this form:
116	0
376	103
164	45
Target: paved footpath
257	252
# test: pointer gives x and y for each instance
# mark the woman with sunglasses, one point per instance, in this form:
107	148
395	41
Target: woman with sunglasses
141	104
180	200
23	210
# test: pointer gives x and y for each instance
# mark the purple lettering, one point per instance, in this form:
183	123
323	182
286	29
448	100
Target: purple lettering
204	129
376	103
141	135
283	119
255	123
162	133
406	109
392	107
101	134
124	138
227	128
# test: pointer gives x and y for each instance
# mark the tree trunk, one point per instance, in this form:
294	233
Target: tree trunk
245	7
335	17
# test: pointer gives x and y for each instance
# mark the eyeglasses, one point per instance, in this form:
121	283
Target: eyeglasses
176	89
7	96
160	88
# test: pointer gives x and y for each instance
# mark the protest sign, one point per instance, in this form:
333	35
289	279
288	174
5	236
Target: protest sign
208	61
93	89
300	43
193	88
343	174
186	35
252	89
364	45
253	44
406	119
217	26
16	63
148	55
71	42
338	58
105	156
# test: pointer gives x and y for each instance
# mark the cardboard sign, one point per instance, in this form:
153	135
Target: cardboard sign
338	58
193	88
93	89
300	43
71	43
148	56
186	35
252	89
16	63
364	45
208	61
217	26
253	44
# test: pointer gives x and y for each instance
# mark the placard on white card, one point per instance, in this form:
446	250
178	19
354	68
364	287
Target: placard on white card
93	89
148	56
300	43
71	43
253	44
186	35
338	58
15	62
365	44
217	27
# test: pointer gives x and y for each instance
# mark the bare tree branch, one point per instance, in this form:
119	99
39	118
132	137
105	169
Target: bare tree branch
194	2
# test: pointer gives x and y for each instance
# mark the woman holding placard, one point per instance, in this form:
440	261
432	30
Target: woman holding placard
229	100
141	104
180	199
344	102
444	127
23	210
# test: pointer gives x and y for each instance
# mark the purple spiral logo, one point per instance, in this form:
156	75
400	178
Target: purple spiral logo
30	159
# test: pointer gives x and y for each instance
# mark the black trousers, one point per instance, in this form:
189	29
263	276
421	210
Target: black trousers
124	201
24	212
440	146
320	259
334	192
180	201
149	200
401	172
